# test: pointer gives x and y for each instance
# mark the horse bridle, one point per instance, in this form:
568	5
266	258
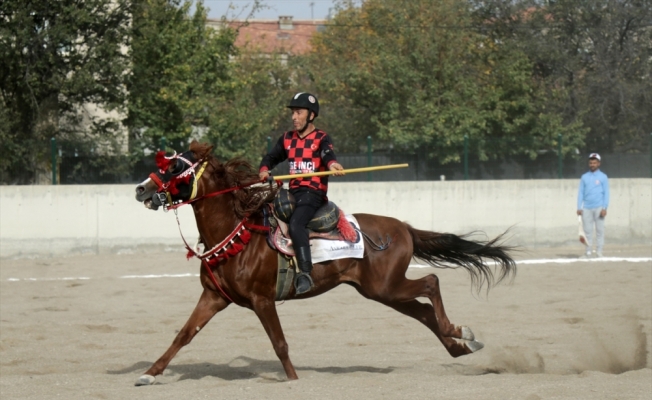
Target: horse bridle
176	178
184	172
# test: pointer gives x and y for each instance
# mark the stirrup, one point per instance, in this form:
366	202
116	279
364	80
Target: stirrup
296	283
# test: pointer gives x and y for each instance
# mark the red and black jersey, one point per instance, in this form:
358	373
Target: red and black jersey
313	153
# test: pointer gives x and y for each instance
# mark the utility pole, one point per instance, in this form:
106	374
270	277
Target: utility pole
312	9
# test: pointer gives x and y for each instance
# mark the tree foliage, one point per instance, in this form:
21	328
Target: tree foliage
254	107
179	66
189	81
597	53
421	75
416	76
57	61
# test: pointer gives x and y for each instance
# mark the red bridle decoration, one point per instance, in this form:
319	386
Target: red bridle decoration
163	162
225	249
156	180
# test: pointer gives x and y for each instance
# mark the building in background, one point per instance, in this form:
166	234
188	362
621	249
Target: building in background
284	35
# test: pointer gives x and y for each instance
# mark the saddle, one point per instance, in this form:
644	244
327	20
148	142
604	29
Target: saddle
329	223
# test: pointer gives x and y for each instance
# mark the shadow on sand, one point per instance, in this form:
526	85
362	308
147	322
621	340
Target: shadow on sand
242	368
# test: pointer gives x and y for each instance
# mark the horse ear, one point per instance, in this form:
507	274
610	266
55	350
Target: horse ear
201	150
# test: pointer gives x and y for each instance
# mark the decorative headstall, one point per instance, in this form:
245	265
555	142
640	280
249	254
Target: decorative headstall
176	178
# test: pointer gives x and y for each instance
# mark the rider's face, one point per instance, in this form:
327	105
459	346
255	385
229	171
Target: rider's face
299	117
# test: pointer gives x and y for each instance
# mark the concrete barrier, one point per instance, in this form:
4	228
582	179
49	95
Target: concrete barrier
41	221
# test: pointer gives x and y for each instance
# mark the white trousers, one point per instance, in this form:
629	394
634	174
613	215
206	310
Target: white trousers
590	219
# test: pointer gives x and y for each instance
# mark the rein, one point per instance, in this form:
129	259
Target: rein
213	194
231	189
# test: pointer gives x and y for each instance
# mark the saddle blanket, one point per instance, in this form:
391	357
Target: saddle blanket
326	250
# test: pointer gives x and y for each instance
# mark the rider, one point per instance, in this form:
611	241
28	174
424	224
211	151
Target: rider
307	149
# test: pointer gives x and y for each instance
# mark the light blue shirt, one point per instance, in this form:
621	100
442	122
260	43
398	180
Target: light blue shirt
594	191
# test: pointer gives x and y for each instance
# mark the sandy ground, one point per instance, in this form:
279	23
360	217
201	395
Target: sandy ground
574	331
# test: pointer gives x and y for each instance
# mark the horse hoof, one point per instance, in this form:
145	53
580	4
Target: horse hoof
474	346
467	334
145	380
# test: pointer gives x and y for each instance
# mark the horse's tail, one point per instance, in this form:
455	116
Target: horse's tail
445	250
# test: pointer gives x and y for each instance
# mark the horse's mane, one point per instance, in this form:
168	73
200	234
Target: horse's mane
237	172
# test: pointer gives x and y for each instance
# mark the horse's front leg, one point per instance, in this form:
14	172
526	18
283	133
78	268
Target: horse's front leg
209	304
266	311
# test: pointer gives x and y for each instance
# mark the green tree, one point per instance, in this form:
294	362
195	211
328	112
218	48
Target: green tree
515	107
254	108
189	81
57	61
597	54
422	75
180	66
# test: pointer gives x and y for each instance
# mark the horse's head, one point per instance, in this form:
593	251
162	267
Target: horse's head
175	179
186	177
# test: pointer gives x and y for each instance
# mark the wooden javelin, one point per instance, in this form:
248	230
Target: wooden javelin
346	171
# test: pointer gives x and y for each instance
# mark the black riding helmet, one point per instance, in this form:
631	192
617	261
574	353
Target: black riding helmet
307	101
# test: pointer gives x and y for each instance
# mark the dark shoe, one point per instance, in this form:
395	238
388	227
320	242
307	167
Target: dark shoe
303	283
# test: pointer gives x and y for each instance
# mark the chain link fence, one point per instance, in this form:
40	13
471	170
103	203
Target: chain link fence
74	168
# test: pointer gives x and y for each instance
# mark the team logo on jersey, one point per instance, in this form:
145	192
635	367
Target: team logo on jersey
313	147
301	167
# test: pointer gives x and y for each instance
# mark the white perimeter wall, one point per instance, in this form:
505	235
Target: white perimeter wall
57	220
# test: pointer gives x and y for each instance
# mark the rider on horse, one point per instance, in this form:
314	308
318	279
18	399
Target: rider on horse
307	149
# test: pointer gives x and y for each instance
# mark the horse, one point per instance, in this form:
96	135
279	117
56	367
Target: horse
228	201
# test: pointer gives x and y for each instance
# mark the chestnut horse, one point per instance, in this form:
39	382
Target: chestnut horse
248	278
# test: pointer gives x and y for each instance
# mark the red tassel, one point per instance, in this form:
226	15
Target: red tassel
176	181
234	249
161	162
345	228
173	187
245	236
190	254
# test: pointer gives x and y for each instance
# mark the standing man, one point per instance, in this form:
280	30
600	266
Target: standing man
307	149
592	203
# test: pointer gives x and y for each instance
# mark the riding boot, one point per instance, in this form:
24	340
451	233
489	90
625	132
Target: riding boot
303	281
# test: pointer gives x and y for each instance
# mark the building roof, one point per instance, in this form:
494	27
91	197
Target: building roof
283	35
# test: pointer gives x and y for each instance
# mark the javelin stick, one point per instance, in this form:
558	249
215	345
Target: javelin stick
346	171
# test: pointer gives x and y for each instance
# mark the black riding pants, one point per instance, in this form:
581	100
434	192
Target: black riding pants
308	202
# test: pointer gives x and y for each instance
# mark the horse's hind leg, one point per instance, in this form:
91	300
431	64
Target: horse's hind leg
425	314
266	312
209	304
433	292
402	297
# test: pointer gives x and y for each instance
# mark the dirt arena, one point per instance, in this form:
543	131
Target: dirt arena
579	330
